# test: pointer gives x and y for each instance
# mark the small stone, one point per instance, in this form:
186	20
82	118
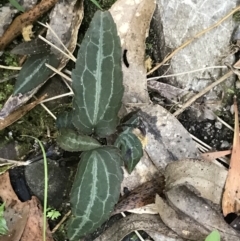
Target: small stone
218	125
58	179
225	144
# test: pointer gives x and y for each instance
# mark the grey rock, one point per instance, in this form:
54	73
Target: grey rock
218	125
57	181
175	22
225	144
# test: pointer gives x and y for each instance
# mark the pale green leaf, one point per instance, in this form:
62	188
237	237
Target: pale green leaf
70	140
34	72
213	236
53	214
131	148
3	223
17	5
97	78
96	3
95	190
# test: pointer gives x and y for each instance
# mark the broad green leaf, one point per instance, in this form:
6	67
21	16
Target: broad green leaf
64	120
34	72
97	78
213	236
70	140
95	190
3	223
131	148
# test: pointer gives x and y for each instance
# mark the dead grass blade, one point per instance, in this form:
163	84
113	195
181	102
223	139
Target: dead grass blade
231	195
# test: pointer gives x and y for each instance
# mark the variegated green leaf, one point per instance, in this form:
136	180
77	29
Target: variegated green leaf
95	190
70	140
97	78
131	148
34	72
64	120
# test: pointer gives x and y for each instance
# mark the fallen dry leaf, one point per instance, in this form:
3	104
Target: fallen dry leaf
146	222
167	141
141	196
179	222
24	219
210	156
70	15
34	225
16	213
231	195
185	199
24	20
207	178
133	19
16	115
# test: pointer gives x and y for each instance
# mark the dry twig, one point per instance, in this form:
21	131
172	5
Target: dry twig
203	92
24	20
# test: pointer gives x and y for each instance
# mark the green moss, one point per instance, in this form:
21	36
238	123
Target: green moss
236	17
6	87
10	59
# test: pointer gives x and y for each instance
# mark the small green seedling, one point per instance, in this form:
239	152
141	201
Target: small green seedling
3	223
213	236
53	213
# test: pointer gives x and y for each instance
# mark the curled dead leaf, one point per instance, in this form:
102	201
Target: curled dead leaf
231	195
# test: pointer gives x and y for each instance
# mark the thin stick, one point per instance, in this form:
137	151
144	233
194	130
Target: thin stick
186	72
224	123
59	72
48	111
205	147
194	38
60	41
17	163
10	67
203	92
61	221
57	97
54	46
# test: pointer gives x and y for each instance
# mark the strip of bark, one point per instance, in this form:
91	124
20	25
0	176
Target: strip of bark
24	20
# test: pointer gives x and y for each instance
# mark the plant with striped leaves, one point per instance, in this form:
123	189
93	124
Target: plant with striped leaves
98	91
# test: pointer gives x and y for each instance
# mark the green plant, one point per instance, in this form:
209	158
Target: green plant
213	236
98	91
3	223
53	213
